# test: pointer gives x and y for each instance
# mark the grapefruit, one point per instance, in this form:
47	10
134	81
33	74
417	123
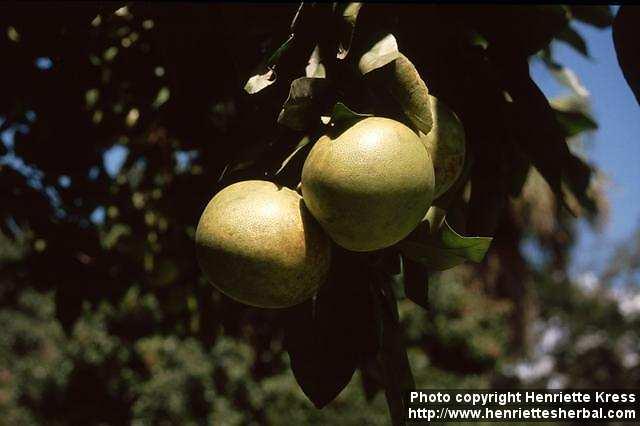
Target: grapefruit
370	186
257	243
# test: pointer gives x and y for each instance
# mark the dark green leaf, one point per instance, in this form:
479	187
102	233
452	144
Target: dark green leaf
516	28
372	381
396	276
348	15
307	98
534	126
342	118
327	338
625	39
446	249
573	39
574	122
393	360
416	282
303	142
598	16
275	57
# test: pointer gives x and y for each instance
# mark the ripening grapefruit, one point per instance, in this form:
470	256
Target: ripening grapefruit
370	186
257	243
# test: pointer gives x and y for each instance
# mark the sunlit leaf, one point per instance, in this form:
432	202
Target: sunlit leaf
260	81
379	55
446	249
315	68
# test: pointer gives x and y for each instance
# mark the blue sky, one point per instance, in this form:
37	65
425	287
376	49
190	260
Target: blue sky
614	147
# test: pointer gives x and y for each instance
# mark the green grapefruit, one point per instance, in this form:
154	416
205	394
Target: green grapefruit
370	186
257	243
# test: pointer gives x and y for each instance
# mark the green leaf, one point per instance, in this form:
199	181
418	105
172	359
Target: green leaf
380	54
446	249
597	16
534	127
572	113
520	29
625	40
472	248
303	142
391	267
574	122
343	117
416	282
348	16
573	39
568	78
340	324
411	92
260	81
315	68
307	98
275	56
392	358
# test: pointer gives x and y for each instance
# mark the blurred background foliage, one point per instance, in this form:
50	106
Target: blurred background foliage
116	125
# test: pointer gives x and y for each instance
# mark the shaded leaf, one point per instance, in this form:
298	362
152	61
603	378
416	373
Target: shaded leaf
446	249
392	358
517	28
391	267
372	381
303	142
348	16
343	117
535	127
597	16
574	122
625	39
416	282
275	56
380	54
573	39
340	324
307	98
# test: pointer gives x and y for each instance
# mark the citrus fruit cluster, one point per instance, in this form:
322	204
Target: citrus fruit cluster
365	189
